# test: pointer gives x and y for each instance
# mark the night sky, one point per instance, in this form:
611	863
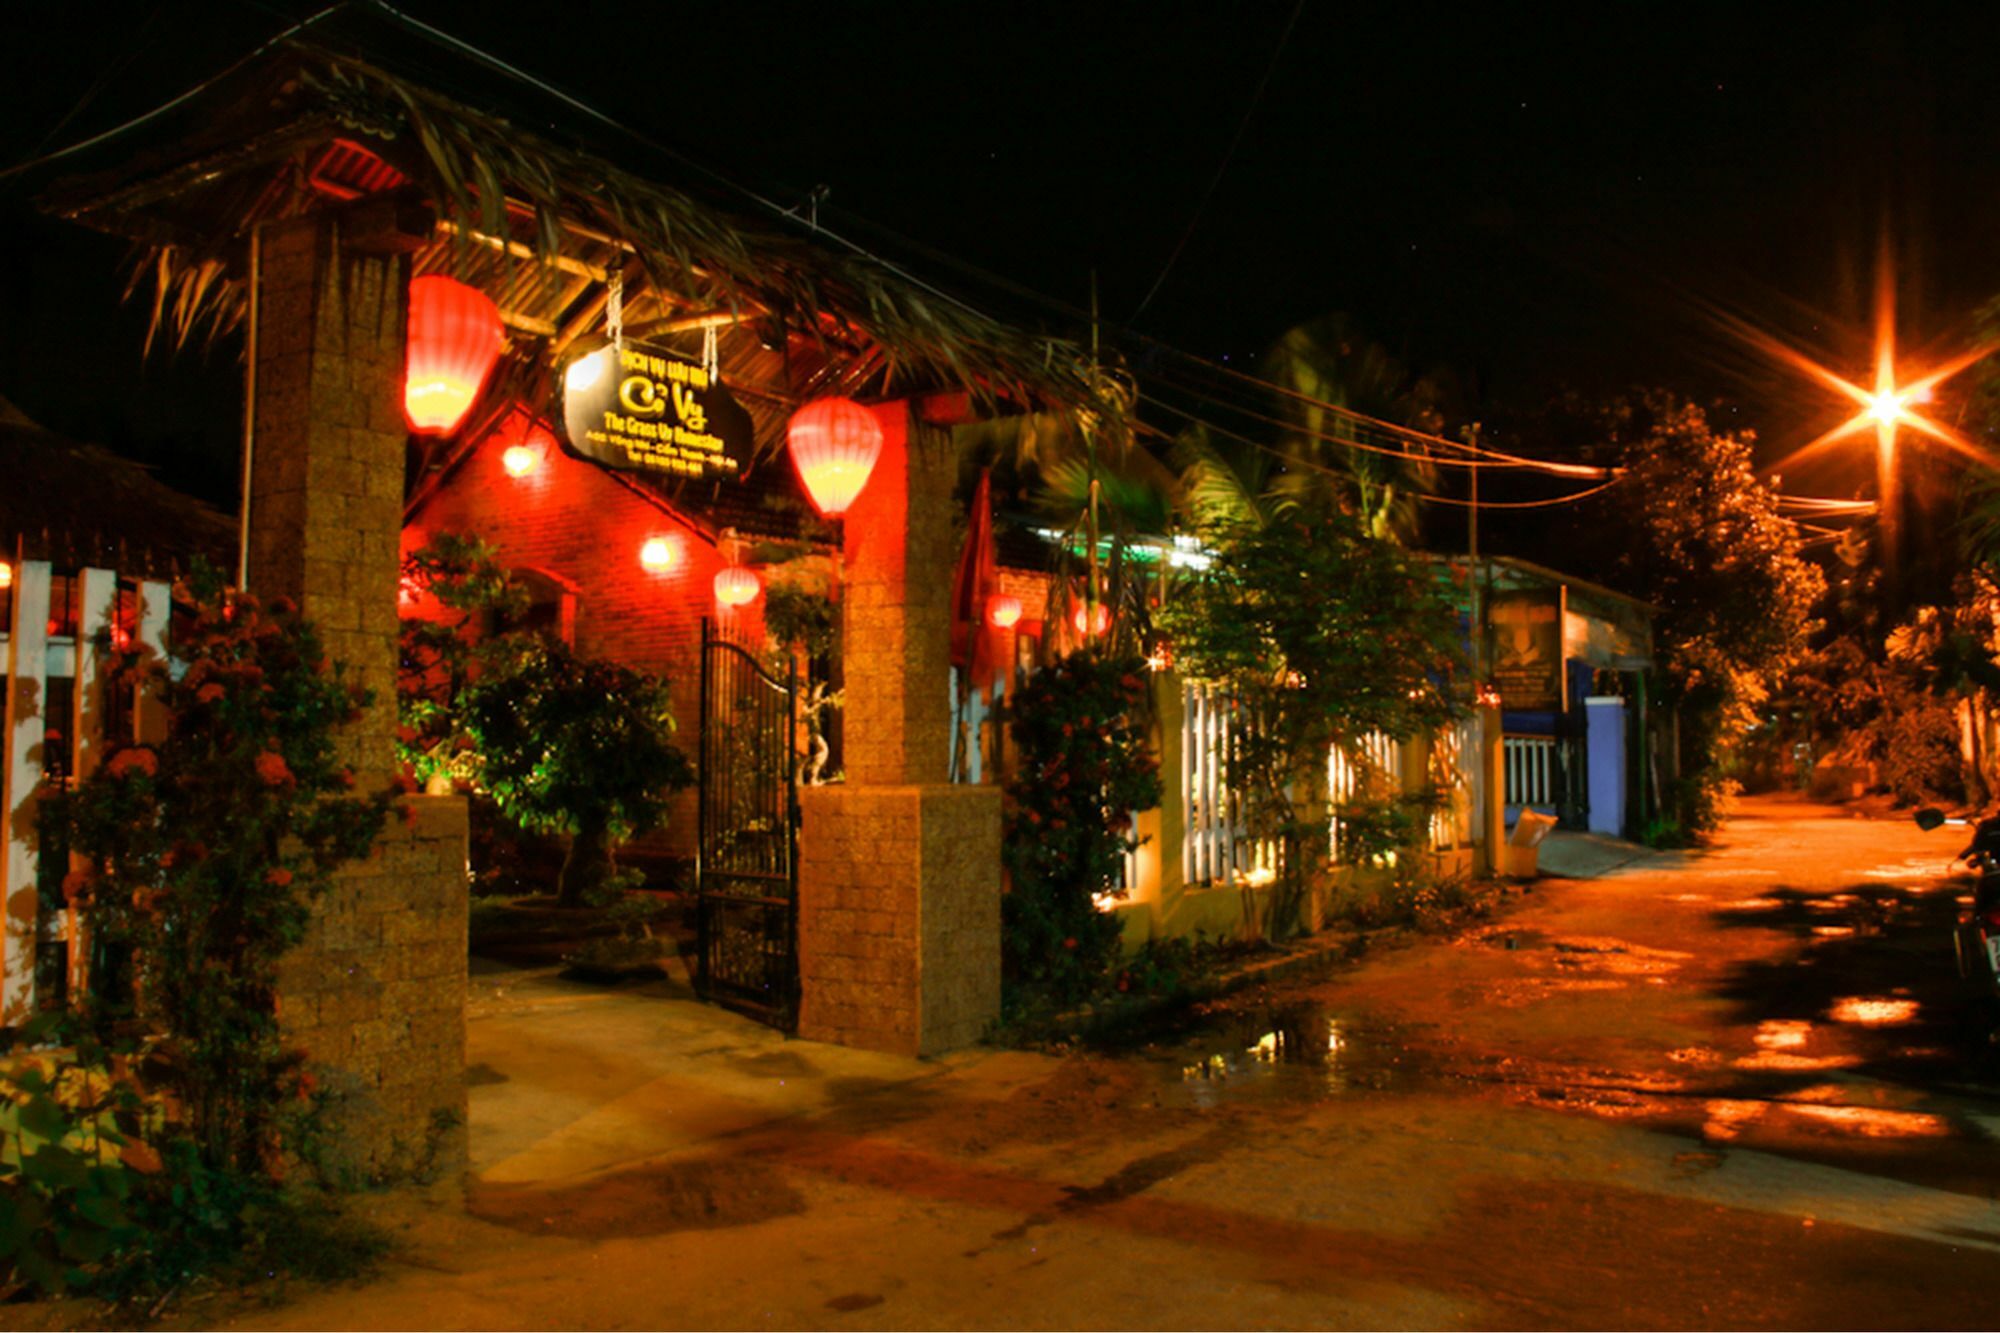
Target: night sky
1532	200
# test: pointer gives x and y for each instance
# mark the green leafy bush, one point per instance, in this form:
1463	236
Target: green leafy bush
67	1165
574	745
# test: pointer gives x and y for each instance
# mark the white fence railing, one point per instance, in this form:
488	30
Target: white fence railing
1218	848
1451	772
1531	769
1346	774
60	712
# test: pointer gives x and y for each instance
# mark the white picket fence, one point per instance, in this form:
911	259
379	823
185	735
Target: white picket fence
1452	755
1345	774
1531	770
1218	848
60	712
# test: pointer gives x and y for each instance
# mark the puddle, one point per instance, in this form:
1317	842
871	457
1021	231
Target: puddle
1873	1011
1302	1049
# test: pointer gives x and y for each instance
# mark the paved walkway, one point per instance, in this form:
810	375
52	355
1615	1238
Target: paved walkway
1726	1091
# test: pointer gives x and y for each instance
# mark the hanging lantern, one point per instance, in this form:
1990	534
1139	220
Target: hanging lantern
737	586
834	444
454	340
1100	619
6	576
658	555
1002	611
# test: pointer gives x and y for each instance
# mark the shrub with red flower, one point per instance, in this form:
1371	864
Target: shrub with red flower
204	874
1083	767
132	759
272	770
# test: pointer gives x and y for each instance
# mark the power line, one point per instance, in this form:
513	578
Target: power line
1292	460
1228	156
1524	504
171	103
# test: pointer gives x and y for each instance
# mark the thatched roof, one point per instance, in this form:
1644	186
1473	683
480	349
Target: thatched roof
541	221
81	504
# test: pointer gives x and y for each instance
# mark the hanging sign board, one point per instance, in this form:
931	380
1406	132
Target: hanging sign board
1527	629
644	409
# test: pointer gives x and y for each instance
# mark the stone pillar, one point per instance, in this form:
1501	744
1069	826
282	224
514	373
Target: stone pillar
376	992
326	486
896	603
899	871
1490	794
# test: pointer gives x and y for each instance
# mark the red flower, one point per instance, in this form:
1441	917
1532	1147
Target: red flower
273	771
1070	943
208	693
136	758
76	886
406	780
277	877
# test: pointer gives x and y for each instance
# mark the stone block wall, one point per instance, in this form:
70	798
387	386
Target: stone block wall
899	916
896	604
376	993
326	505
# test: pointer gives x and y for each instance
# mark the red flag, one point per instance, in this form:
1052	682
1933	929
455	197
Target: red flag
977	578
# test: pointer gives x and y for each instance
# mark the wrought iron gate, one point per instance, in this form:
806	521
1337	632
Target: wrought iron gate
746	854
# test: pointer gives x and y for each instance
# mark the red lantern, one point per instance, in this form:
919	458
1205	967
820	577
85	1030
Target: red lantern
454	340
737	586
1002	611
1100	619
834	444
6	576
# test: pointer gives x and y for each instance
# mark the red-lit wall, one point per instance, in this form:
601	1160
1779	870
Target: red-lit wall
584	528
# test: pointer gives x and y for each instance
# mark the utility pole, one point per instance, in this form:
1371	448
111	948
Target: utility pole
1478	625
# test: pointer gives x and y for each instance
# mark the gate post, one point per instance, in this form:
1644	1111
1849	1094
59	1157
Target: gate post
376	991
899	870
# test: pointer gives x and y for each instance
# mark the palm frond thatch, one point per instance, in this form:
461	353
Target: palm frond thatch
489	177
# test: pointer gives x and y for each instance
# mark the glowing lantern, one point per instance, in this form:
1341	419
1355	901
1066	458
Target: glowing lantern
736	586
834	444
520	460
1002	611
658	555
6	576
454	340
1100	619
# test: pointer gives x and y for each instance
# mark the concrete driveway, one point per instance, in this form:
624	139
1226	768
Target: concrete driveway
1732	1089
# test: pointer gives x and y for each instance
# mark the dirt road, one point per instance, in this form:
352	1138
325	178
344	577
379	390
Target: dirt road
1732	1089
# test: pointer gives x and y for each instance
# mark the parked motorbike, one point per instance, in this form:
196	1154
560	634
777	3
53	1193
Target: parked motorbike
1976	938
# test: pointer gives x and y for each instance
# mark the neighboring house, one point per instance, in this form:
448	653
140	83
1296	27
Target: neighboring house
90	544
77	504
1572	661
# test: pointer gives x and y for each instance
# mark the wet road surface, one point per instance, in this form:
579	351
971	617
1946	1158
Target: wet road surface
1735	1089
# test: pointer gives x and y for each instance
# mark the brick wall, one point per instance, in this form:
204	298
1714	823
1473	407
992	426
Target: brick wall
584	527
899	916
376	993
